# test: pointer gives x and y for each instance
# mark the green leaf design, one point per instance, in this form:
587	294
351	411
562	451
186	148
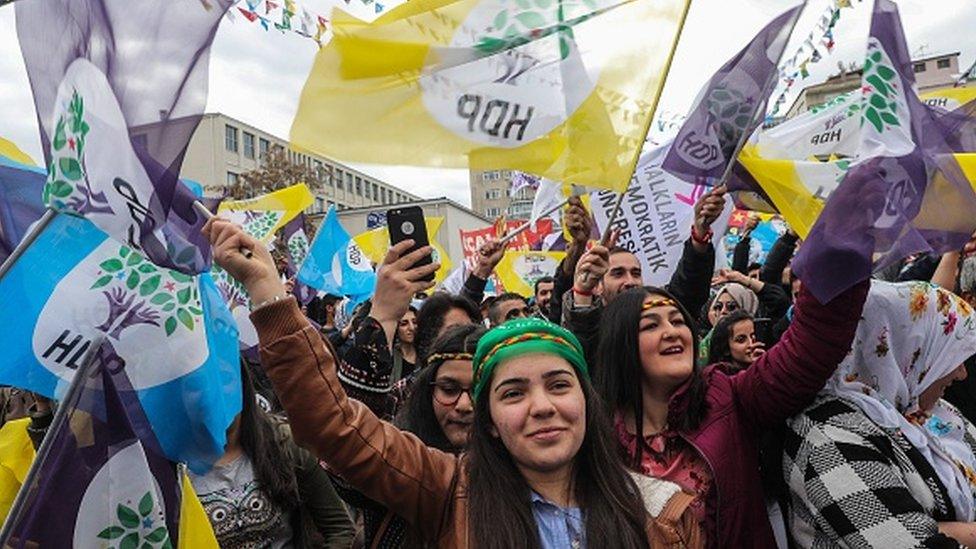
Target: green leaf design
124	251
185	318
146	545
134	259
132	281
531	19
161	298
127	516
101	282
890	119
196	311
61	189
886	72
150	285
500	20
878	84
111	532
867	65
60	140
872	116
130	541
111	265
70	168
170	325
180	277
169	307
183	295
146	505
147	268
879	102
166	544
157	535
876	57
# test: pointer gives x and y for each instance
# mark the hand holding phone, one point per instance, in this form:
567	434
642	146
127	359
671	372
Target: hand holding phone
407	223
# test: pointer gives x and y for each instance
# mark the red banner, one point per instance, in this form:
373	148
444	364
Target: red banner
528	239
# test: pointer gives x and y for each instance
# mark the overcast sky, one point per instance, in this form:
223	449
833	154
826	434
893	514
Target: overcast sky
257	76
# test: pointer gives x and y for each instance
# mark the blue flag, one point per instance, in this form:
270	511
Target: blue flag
105	478
172	333
335	264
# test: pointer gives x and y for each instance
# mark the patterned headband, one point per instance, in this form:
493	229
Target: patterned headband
518	339
444	357
658	303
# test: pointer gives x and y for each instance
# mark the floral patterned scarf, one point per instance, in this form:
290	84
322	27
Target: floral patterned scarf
911	335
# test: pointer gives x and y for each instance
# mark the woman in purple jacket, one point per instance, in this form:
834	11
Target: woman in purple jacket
700	427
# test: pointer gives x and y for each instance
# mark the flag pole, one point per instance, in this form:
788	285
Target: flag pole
650	120
29	238
527	224
60	416
202	210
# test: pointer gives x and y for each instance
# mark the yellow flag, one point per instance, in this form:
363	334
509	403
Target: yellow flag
262	216
376	242
196	532
518	271
16	455
948	98
13	152
561	89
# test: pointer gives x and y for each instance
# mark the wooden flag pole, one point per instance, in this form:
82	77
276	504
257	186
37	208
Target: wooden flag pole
527	224
202	210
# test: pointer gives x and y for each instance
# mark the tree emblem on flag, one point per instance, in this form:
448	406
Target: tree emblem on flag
298	247
67	184
732	112
880	90
534	19
139	292
132	523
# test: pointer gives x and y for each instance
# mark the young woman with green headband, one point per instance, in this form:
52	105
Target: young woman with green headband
542	470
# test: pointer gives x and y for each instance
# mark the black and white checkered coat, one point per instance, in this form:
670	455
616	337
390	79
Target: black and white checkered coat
855	484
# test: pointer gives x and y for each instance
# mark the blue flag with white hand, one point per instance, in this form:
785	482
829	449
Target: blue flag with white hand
171	332
335	264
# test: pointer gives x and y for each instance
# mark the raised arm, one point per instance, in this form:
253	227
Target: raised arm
785	379
387	465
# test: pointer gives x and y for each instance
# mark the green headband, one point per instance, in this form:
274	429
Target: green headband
523	336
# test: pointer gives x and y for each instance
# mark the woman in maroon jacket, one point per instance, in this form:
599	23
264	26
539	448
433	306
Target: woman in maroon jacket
700	427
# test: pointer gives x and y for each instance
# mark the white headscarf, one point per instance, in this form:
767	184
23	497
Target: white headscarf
911	335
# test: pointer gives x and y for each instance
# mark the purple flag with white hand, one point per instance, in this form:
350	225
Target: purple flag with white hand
905	194
725	111
119	88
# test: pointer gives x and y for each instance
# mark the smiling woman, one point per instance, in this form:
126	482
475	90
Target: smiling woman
542	471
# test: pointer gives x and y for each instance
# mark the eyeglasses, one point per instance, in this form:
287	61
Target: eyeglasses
730	306
448	393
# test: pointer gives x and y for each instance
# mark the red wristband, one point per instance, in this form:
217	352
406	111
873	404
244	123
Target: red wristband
703	239
583	293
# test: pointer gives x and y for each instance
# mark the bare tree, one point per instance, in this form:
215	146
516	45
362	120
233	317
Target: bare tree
277	171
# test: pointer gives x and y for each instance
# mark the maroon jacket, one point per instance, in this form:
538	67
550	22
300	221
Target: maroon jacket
741	406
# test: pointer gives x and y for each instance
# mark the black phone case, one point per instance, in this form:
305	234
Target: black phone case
397	220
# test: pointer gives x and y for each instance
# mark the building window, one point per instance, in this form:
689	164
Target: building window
230	138
376	192
359	186
338	179
349	182
232	179
263	146
918	67
248	145
492	212
383	195
943	63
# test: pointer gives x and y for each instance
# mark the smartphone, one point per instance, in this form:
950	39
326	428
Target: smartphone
407	223
764	331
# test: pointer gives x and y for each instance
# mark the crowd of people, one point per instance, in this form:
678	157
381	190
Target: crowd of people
729	408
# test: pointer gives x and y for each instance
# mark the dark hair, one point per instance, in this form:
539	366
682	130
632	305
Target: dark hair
543	280
264	443
718	348
396	332
417	413
753	266
500	508
619	373
502	298
430	319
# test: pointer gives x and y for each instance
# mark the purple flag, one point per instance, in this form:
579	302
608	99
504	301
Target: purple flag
905	194
725	111
297	242
119	88
20	202
105	478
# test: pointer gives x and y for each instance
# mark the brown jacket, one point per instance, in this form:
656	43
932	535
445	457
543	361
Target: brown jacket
425	486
